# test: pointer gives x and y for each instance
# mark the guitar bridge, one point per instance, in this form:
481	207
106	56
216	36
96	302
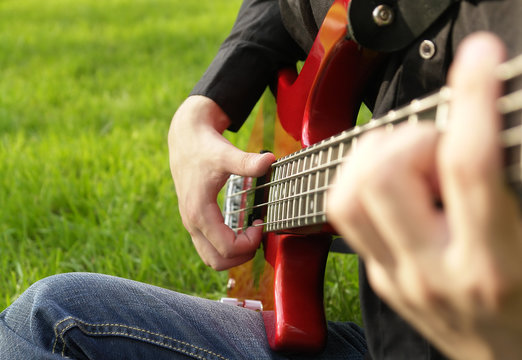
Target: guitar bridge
242	198
234	204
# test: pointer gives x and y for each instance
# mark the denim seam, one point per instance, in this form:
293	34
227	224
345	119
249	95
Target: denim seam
78	323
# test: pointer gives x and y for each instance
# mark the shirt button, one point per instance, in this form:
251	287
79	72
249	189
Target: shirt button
427	49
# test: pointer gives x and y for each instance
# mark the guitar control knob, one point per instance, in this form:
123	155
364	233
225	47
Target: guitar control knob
383	15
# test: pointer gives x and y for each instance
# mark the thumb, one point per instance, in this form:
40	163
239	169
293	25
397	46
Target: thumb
247	164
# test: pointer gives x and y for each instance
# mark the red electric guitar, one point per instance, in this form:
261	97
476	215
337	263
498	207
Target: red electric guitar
315	108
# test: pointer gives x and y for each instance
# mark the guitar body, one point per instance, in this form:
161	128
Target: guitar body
297	323
320	101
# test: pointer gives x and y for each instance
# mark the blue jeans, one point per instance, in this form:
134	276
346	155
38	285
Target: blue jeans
93	316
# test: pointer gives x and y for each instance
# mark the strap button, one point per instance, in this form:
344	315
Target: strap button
383	15
427	49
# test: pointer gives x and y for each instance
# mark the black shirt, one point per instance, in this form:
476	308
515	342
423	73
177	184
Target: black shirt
260	43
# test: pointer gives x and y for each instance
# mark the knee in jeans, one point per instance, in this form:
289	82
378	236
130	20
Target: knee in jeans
55	286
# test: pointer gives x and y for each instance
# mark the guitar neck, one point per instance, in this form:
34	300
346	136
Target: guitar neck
299	181
296	192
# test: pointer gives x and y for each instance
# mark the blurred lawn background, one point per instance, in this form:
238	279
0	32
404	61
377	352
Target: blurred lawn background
87	91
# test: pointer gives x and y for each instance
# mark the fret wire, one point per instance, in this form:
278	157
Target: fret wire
281	204
328	160
301	188
289	210
510	103
270	210
327	175
288	188
322	179
279	193
340	156
510	69
317	177
274	193
294	190
309	181
314	181
413	119
314	177
286	204
512	136
270	196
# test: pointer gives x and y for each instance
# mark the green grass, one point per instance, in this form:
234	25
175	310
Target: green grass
87	91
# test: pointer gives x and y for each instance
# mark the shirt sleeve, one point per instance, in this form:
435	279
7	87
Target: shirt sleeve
248	60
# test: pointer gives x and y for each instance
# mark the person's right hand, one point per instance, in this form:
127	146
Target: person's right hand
201	160
452	271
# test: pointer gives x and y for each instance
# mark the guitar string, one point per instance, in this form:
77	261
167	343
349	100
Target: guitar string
509	138
514	174
294	221
515	170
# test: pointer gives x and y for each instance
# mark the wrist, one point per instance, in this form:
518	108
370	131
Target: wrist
205	111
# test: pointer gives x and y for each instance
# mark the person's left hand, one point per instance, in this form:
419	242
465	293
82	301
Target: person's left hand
454	272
